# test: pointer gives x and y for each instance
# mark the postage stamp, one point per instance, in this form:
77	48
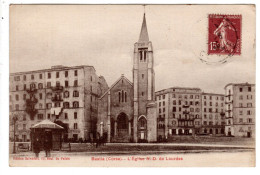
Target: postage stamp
224	34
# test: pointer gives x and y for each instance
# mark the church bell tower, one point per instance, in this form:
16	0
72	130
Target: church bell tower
145	120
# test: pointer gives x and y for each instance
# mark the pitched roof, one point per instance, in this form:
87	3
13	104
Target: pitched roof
144	33
47	124
122	77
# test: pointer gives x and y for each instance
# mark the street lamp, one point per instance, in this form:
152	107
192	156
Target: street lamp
14	120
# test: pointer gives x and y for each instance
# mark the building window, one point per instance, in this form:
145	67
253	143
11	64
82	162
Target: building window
66	115
49	105
57	74
240	89
75	93
66	94
48	84
75	126
17	78
249	105
249	89
241	97
249	120
119	97
57	84
40	76
142	93
24	77
40	86
249	112
40	116
66	104
205	109
49	116
241	120
125	97
241	105
49	75
17	87
32	77
57	104
24	96
66	83
142	76
66	73
75	115
174	102
17	97
17	107
40	95
75	104
140	55
75	82
24	87
76	73
240	112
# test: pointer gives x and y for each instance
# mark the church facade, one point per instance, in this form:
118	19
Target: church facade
127	110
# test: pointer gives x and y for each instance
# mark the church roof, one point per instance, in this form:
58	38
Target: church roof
144	33
122	77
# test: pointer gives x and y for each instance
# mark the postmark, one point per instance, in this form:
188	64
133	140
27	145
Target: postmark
224	34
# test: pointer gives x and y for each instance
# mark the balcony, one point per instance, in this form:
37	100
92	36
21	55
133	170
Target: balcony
57	88
31	90
186	112
31	101
185	106
222	113
56	99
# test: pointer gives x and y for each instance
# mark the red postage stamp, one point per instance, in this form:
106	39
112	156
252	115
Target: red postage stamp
224	35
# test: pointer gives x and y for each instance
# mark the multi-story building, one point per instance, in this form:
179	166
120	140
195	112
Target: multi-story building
68	94
213	114
240	109
179	111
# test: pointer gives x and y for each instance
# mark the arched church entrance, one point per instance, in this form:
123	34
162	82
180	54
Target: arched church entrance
120	131
142	129
122	125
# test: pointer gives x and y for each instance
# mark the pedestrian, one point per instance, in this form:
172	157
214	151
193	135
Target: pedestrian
37	147
47	147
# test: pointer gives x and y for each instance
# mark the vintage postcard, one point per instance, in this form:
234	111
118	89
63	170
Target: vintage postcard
132	85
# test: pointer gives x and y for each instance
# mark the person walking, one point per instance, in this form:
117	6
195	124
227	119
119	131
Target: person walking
47	147
37	147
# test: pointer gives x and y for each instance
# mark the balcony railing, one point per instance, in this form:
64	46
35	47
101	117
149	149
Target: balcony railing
57	88
31	90
185	106
56	98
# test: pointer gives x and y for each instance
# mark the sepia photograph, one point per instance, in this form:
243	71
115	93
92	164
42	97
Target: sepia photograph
132	85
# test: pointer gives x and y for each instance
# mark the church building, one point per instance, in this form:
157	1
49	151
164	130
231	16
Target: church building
127	110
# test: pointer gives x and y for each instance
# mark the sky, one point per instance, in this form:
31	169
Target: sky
103	36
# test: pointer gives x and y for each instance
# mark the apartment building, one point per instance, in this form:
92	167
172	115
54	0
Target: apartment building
240	109
67	94
213	114
179	111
